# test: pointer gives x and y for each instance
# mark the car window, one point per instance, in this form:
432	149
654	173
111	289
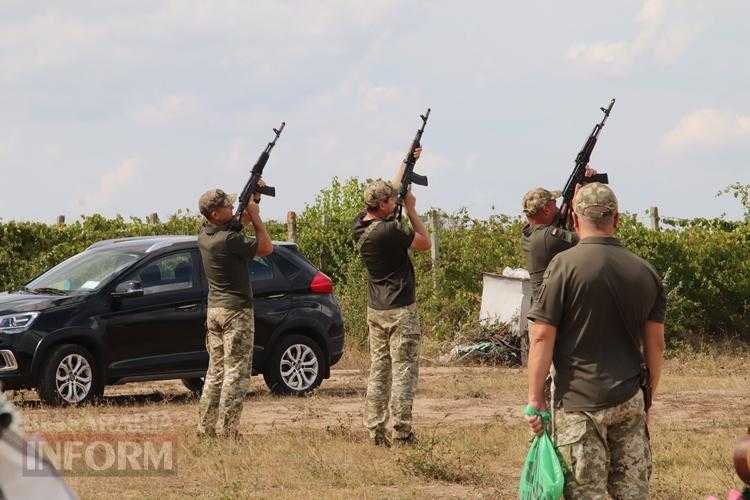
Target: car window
86	271
169	273
260	269
287	268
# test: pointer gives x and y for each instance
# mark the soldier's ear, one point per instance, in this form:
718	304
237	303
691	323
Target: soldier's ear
576	222
616	220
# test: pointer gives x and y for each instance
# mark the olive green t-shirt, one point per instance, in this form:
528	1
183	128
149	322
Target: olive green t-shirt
226	255
589	293
391	282
540	243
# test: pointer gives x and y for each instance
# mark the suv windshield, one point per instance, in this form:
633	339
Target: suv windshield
84	272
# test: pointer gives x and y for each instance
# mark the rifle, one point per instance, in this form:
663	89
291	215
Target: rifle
251	186
579	170
408	175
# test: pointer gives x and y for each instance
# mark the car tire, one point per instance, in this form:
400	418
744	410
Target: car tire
194	385
70	376
295	367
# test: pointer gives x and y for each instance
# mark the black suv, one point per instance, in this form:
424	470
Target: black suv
134	309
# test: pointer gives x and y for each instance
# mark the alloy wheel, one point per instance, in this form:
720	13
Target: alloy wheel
299	367
73	378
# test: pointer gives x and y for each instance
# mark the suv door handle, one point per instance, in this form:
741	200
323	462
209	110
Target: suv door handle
276	296
188	307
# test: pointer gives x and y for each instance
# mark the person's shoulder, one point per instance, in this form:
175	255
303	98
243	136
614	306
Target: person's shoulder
359	220
645	265
390	224
568	257
559	261
229	237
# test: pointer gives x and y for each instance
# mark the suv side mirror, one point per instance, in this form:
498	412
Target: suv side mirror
128	289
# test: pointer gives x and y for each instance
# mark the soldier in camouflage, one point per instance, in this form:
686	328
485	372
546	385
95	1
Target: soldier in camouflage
541	237
599	315
392	318
229	319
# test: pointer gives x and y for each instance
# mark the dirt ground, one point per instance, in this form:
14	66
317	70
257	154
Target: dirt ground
469	418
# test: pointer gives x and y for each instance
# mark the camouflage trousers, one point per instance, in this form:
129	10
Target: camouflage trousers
395	339
606	451
229	341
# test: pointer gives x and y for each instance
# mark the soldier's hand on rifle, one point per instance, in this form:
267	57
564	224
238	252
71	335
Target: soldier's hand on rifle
417	152
252	211
256	195
590	172
410	201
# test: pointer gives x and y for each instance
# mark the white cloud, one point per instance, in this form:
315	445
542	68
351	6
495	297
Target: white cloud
109	183
168	109
707	128
45	41
373	97
249	33
662	36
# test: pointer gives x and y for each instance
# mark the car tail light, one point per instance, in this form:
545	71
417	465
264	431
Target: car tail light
321	283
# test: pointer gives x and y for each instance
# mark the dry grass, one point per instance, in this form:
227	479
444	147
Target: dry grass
473	440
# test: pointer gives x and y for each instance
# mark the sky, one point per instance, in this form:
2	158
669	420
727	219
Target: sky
138	107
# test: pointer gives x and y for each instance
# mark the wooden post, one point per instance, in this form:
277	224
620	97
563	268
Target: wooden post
434	219
291	226
60	220
654	213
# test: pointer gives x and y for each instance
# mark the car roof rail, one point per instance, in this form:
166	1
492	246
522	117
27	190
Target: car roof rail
162	241
166	241
103	243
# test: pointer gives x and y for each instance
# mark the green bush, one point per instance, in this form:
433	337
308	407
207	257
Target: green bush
27	249
705	262
706	271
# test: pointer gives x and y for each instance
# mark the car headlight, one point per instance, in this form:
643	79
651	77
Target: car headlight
17	323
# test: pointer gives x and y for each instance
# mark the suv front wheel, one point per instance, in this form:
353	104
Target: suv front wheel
194	385
295	367
69	377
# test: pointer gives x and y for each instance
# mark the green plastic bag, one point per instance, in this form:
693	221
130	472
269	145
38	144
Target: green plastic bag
542	477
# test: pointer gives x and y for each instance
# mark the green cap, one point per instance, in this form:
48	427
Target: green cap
595	201
377	191
213	199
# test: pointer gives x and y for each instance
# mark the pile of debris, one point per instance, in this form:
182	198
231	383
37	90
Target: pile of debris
496	344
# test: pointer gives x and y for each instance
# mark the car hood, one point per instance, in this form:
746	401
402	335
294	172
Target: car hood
26	302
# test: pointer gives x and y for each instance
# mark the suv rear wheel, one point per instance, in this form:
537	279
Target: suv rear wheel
69	377
295	367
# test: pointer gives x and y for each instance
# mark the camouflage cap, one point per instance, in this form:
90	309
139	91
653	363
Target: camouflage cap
595	201
537	199
377	191
213	199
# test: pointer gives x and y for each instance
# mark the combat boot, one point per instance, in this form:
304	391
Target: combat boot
409	440
380	440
